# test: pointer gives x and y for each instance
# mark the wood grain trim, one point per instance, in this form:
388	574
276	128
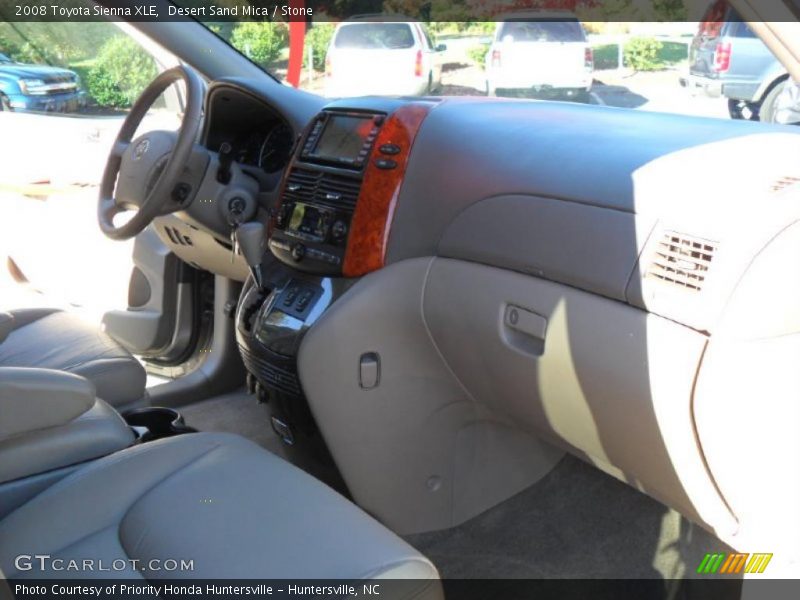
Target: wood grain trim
372	220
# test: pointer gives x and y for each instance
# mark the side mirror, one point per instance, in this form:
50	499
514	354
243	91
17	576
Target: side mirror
441	47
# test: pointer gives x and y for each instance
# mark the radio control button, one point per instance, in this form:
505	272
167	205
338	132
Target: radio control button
385	163
390	149
339	230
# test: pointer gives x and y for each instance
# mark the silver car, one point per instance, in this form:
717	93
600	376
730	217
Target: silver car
727	59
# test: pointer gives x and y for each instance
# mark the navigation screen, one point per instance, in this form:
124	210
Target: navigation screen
343	138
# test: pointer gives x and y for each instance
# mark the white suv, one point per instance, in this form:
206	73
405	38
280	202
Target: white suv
539	51
374	56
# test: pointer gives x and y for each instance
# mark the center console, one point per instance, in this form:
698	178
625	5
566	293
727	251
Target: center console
338	196
270	324
330	226
321	191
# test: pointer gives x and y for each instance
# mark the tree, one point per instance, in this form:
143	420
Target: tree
318	39
261	42
123	70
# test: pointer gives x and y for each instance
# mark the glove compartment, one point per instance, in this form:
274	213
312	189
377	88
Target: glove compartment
607	381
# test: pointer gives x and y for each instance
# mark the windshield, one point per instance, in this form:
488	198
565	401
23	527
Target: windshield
4	59
666	66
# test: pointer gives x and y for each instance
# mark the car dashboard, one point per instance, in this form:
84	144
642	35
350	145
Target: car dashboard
257	135
458	284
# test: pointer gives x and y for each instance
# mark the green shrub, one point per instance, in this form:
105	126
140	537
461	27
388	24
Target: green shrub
484	28
260	42
120	73
440	28
318	39
642	54
36	55
477	54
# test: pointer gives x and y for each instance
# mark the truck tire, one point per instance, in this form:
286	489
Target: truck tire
768	105
741	110
4	104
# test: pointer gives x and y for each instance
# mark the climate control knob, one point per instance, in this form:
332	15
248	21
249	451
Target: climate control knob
298	252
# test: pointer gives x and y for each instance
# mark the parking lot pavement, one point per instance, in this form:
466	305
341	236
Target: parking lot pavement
56	243
653	91
658	91
68	149
48	222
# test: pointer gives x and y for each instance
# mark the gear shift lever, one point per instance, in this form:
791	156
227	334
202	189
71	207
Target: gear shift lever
251	239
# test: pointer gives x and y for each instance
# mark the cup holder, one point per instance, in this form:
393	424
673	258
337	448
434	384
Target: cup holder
155	422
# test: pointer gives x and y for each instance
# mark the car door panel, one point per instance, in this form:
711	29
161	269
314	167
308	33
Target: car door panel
159	320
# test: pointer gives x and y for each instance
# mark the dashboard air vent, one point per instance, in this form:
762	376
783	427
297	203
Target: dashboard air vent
322	188
176	237
682	261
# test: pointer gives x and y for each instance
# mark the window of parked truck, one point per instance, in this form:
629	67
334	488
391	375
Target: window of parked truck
542	31
368	36
742	30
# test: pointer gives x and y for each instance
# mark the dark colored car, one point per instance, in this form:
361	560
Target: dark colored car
727	59
38	88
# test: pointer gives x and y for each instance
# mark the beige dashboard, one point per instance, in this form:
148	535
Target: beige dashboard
616	284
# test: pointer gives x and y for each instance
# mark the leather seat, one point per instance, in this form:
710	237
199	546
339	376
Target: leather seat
51	423
53	339
234	509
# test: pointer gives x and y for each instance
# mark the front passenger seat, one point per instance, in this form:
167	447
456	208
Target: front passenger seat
54	339
230	507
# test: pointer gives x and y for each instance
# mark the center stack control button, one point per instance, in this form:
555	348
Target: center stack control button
304	299
386	163
290	297
390	149
339	230
280	245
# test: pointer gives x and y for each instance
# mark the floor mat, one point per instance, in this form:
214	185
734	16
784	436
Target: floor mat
577	522
240	413
237	412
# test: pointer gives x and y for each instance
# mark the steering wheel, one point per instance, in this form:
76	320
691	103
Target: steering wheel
141	174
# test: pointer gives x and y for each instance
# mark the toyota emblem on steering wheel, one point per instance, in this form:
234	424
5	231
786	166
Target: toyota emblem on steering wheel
140	149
